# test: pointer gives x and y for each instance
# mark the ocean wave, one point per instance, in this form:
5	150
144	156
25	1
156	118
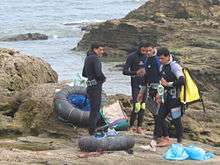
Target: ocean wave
55	36
83	22
65	34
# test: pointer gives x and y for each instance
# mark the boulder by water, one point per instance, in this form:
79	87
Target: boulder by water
24	37
18	71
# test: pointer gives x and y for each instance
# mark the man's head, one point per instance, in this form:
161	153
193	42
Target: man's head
147	49
164	55
98	49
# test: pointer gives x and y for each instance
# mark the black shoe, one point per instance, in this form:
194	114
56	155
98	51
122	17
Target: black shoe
179	140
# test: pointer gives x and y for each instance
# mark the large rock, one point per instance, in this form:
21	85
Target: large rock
198	9
35	108
18	71
25	37
31	112
189	28
154	22
119	37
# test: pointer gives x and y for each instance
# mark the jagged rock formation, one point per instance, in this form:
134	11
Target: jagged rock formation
18	71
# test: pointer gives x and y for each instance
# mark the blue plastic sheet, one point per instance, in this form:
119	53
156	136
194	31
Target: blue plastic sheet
179	152
79	101
196	153
176	152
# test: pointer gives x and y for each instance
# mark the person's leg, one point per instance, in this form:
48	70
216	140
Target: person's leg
157	128
179	129
94	94
133	118
176	114
135	90
159	121
141	116
162	132
164	111
140	121
164	129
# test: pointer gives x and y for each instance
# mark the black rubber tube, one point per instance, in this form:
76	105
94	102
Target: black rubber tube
66	111
116	143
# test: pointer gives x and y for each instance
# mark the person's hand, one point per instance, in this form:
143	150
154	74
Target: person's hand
140	97
164	82
141	72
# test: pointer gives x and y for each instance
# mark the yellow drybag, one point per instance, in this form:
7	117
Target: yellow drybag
189	92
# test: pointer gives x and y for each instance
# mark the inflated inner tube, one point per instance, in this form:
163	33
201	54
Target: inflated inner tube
115	143
66	111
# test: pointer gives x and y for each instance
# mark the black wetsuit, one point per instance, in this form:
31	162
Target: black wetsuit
93	71
152	76
134	62
152	68
172	104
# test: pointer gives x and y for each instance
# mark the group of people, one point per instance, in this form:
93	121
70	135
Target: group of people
148	68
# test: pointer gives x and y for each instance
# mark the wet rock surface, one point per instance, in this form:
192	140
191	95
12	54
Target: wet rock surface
24	37
44	150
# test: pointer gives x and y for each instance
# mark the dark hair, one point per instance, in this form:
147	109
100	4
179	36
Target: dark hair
163	51
145	45
96	46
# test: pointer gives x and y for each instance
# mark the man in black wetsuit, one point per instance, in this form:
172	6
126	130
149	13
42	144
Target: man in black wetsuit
172	78
134	67
93	71
152	73
150	90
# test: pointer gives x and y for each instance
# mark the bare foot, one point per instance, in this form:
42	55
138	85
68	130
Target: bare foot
140	131
164	142
132	130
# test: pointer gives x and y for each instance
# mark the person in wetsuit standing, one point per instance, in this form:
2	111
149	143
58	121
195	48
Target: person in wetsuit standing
93	71
172	78
150	90
134	67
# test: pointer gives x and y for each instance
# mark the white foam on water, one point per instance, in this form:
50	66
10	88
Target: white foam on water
82	22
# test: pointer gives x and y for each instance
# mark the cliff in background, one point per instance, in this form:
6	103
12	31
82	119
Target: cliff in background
189	28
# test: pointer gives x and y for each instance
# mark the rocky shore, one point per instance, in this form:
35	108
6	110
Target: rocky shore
32	134
29	129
